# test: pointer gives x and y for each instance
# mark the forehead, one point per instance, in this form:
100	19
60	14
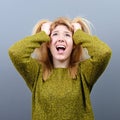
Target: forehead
61	28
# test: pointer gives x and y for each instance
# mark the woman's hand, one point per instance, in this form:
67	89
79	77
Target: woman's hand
76	26
46	27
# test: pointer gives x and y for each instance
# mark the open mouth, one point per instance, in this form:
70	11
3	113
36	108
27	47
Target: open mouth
60	48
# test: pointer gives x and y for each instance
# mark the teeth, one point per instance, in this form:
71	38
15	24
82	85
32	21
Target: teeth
60	47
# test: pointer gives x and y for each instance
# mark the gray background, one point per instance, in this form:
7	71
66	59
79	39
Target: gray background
17	18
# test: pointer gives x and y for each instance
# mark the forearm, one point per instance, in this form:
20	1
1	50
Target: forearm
95	47
20	54
23	48
99	52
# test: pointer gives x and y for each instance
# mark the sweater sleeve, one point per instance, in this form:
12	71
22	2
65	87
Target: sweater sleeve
99	52
20	55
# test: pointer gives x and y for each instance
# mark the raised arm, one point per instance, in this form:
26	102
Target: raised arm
20	54
99	52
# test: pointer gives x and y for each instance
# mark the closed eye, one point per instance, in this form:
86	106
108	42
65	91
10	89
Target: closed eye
54	34
68	35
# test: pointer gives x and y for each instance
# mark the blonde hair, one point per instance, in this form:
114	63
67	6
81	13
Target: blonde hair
43	54
62	21
85	24
37	27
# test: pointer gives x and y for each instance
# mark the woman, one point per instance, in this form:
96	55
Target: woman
60	63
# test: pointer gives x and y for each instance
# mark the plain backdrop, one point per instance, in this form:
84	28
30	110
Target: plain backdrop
17	18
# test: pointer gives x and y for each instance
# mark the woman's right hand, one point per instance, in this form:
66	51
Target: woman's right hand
46	27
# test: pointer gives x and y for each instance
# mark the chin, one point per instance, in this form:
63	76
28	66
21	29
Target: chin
62	59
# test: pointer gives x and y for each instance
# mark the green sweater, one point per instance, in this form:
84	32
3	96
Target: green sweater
60	97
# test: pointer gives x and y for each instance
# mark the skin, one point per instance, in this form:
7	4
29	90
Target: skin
61	44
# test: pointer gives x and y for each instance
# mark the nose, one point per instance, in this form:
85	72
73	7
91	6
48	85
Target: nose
61	38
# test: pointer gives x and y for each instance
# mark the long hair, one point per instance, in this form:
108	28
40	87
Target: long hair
85	24
44	56
37	27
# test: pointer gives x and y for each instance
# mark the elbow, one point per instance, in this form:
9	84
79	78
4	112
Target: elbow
10	51
108	53
103	55
106	56
13	54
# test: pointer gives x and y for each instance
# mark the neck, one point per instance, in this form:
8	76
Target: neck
60	64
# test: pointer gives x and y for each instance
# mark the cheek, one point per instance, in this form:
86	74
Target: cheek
71	45
51	45
70	42
53	40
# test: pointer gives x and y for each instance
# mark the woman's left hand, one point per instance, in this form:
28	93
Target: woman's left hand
76	26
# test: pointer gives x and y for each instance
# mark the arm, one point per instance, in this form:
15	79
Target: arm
99	52
20	54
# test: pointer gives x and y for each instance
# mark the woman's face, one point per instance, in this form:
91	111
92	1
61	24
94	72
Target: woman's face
61	43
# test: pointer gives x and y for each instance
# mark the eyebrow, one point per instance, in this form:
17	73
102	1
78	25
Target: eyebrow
55	31
64	31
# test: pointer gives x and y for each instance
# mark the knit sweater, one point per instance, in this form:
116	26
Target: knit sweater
60	97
